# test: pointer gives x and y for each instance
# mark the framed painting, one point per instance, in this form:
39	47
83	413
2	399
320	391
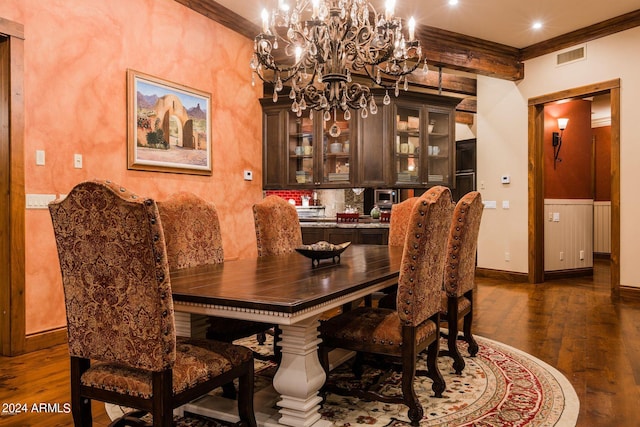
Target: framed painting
168	126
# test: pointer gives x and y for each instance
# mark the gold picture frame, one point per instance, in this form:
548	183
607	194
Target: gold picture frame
168	126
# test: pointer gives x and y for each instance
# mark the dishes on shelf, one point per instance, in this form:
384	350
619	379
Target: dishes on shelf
335	147
338	176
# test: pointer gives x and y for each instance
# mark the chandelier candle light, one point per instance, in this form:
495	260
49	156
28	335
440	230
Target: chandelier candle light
317	45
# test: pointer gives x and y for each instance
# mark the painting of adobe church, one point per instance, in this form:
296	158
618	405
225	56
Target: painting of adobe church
169	126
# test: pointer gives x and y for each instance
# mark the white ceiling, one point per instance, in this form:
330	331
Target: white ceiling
502	21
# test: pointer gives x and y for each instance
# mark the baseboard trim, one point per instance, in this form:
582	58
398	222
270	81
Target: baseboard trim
630	292
563	274
510	276
46	339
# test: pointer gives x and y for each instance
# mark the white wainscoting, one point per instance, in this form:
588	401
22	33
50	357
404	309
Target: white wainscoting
602	227
568	234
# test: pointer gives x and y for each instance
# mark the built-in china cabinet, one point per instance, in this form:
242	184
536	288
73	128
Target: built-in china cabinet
409	143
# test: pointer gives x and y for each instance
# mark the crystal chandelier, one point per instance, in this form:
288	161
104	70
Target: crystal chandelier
315	47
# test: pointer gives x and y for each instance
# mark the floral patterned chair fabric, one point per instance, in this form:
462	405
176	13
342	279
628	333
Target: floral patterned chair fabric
400	214
277	225
191	230
193	237
119	309
414	326
460	268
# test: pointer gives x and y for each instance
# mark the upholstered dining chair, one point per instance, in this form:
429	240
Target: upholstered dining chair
459	274
193	238
278	232
398	223
415	326
277	226
120	319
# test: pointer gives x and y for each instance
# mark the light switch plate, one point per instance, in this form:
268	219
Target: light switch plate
39	201
489	204
40	157
248	175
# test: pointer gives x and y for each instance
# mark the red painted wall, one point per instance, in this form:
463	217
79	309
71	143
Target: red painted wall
602	138
572	177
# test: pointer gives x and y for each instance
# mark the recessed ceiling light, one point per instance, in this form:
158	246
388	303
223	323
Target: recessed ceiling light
537	25
453	2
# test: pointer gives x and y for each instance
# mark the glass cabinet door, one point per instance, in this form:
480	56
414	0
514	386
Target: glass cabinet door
438	146
407	145
337	136
300	149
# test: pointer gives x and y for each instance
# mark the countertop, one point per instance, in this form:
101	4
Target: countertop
331	222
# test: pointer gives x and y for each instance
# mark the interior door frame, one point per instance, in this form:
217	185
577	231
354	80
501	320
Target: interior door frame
536	176
12	193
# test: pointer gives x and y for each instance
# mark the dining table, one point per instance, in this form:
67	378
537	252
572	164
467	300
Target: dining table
293	293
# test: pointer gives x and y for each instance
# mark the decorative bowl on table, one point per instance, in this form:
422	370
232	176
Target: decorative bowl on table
322	250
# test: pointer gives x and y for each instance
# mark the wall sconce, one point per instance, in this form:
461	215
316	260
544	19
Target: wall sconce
557	140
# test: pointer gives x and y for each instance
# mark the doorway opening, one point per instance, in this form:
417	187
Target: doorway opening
537	169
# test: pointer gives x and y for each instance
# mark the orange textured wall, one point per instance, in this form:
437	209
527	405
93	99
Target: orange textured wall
76	56
602	139
572	177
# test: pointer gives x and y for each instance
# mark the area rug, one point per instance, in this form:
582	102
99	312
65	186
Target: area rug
501	386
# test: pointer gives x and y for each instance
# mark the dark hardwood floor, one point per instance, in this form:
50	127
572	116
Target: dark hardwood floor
572	324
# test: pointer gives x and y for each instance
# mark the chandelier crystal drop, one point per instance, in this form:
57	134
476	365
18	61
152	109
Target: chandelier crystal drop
315	46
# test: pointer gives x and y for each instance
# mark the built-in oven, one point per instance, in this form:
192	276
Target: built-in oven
385	198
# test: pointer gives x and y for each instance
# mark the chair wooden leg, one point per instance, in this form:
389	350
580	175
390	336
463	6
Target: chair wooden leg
439	384
245	398
162	384
452	346
409	356
229	391
261	337
80	406
466	328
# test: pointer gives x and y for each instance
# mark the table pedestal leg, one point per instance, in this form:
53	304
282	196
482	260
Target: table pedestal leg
300	375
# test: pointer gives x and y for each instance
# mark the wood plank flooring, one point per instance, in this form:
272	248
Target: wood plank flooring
572	324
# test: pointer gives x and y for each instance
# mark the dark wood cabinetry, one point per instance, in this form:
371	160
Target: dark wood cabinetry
337	235
465	168
409	143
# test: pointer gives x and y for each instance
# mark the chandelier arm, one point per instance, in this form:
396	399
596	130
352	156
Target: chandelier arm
339	38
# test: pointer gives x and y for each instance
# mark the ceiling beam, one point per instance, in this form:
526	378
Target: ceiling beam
456	51
451	50
224	16
583	35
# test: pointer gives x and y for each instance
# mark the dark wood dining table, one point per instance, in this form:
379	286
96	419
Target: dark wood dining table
286	290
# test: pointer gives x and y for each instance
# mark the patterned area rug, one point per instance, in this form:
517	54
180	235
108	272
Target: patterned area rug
501	386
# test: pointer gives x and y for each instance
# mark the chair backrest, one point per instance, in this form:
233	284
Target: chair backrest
277	226
191	230
400	214
460	266
115	276
423	257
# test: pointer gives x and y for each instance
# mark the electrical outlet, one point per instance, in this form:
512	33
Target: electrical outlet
507	256
561	256
582	255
